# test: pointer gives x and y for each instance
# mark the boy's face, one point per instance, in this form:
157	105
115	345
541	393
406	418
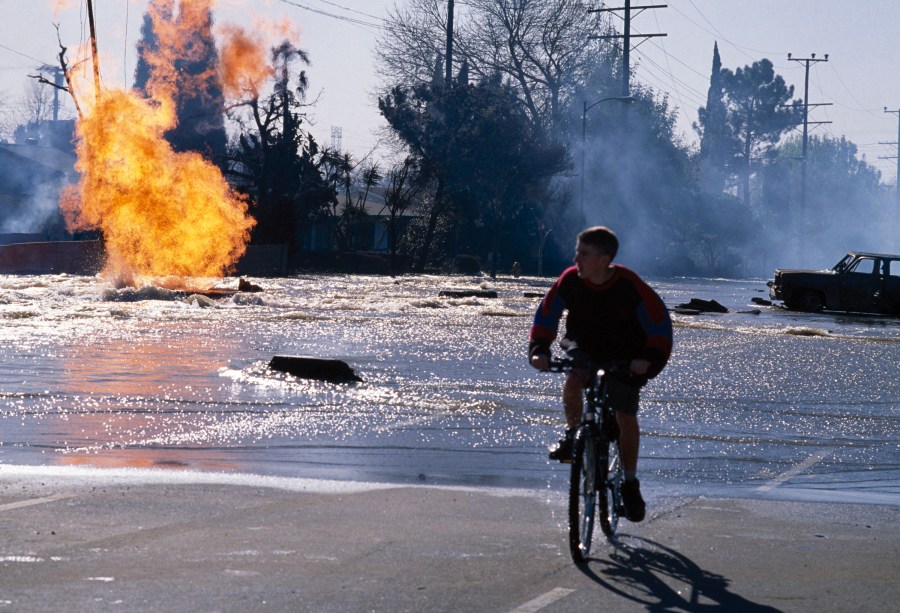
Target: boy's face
591	264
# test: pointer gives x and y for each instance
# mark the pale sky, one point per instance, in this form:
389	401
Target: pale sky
859	79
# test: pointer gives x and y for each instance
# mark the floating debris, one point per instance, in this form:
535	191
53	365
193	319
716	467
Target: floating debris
310	367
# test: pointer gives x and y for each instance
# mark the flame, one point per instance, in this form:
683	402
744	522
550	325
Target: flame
243	62
162	213
61	5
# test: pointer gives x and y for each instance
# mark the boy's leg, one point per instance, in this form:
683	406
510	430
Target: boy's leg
625	399
573	390
629	442
573	397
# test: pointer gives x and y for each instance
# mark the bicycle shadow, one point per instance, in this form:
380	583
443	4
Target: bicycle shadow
663	579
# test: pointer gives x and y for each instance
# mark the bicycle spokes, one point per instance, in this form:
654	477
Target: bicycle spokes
582	495
611	494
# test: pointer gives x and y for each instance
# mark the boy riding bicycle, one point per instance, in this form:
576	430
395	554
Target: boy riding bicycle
612	315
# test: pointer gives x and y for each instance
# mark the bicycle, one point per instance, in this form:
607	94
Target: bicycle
596	472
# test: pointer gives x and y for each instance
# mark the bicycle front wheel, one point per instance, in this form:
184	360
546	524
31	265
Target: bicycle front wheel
582	494
609	485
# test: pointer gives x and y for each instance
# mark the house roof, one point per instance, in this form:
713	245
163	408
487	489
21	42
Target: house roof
374	205
45	158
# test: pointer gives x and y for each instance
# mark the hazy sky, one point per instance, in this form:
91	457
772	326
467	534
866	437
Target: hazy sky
860	78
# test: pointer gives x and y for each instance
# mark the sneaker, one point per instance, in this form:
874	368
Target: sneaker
562	452
631	498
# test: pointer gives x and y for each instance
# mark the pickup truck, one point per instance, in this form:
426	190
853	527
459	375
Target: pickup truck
861	282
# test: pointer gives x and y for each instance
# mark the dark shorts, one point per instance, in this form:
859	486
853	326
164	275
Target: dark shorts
622	396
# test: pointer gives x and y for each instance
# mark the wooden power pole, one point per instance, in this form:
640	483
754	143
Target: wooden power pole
449	69
94	56
807	61
626	37
894	157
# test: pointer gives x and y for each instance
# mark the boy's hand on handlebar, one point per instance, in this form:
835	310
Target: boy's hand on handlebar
540	361
639	367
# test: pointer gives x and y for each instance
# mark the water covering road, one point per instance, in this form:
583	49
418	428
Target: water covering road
757	402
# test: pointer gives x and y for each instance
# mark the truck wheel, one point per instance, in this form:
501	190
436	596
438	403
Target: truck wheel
809	301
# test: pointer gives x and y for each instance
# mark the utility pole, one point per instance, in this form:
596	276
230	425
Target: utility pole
627	36
807	61
449	72
894	157
59	80
94	55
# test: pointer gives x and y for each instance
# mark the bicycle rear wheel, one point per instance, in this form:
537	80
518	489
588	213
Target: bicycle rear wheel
582	494
609	485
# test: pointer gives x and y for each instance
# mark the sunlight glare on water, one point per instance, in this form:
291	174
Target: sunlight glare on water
151	377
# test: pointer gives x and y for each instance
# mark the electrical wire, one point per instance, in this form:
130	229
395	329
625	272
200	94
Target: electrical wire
350	10
350	20
716	32
25	55
662	46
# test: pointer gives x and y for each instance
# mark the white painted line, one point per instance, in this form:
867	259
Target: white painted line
33	501
796	470
544	600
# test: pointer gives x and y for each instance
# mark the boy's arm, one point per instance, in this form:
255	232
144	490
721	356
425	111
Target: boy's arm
657	325
545	325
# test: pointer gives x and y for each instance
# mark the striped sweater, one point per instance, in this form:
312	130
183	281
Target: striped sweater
622	319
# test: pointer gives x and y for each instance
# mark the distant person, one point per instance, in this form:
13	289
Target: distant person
612	315
516	270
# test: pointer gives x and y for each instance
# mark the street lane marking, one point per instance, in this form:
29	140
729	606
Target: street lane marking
33	501
544	600
796	470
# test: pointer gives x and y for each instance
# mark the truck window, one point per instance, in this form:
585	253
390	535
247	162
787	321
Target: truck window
863	266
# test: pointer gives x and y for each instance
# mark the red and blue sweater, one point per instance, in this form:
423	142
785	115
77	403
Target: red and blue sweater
622	319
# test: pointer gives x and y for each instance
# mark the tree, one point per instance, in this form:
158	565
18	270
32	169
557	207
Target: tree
638	178
404	183
352	184
179	53
488	160
541	48
277	159
757	114
717	226
718	144
848	207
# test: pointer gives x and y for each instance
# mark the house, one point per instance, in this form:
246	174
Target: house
369	232
31	177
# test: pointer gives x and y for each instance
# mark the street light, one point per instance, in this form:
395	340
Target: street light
587	107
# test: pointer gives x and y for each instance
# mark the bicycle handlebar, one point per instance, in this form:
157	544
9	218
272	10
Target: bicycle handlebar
568	363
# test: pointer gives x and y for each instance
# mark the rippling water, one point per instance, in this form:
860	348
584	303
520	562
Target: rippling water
758	401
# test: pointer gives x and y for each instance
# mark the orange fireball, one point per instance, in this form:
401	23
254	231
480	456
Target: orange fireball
162	213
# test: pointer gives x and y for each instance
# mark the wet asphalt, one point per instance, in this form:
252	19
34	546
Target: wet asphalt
78	545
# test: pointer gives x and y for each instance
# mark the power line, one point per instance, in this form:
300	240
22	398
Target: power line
717	33
25	55
668	65
350	10
344	18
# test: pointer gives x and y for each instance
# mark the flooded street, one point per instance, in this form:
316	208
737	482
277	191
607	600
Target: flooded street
755	402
